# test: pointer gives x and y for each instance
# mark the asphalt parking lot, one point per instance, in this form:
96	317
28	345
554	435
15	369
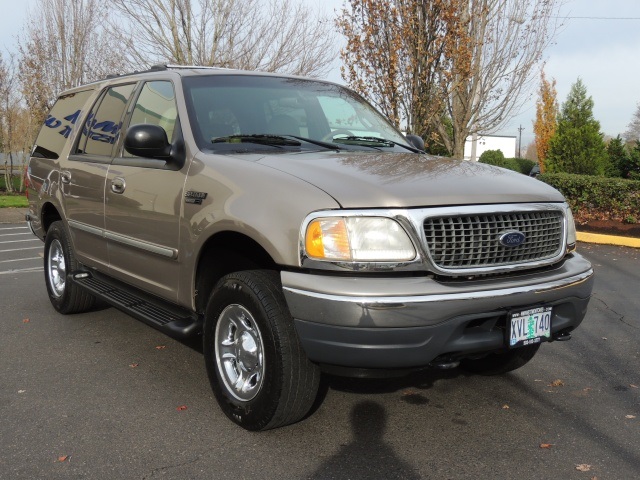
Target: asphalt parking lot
102	396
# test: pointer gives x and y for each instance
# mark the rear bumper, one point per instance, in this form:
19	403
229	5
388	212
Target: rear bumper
408	322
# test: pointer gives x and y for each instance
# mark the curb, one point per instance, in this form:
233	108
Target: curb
13	215
608	239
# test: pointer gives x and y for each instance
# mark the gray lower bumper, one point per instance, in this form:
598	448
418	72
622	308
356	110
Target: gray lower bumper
407	322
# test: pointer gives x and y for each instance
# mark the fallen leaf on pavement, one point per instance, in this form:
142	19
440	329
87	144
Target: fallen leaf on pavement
181	408
583	467
26	320
604	338
630	416
505	407
546	445
633	386
63	458
557	383
161	347
21	391
133	365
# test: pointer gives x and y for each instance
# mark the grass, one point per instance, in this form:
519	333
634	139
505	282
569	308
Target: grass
19	201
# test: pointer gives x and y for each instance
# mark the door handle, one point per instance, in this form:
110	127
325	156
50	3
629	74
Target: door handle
65	177
118	185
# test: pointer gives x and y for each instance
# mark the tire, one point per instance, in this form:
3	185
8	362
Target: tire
59	261
258	371
499	363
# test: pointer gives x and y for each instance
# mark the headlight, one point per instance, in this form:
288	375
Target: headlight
358	239
571	231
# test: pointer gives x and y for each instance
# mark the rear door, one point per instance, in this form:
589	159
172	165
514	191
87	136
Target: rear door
144	201
83	174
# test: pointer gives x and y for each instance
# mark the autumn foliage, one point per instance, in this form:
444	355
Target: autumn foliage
398	54
546	121
445	69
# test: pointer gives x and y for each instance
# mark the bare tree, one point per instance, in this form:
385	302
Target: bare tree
633	129
8	106
64	45
278	35
486	61
508	40
16	127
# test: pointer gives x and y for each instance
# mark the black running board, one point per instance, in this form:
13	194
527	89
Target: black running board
175	321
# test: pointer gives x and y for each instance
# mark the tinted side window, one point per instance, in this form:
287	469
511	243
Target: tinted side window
102	127
59	124
156	105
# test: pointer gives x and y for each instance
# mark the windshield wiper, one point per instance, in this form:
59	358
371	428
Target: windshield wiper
377	140
320	143
260	138
275	140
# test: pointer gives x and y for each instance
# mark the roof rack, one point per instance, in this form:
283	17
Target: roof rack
162	67
184	67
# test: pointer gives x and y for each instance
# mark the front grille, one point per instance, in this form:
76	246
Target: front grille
472	241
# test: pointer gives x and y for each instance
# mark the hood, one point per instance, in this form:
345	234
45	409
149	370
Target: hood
365	180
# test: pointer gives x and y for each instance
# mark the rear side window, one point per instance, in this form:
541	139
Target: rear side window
102	128
59	124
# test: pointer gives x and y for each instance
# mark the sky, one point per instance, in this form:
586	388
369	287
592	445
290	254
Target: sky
602	50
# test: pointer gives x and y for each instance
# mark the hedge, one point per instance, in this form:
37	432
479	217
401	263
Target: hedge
495	157
598	198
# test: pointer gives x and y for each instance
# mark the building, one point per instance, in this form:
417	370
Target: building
507	145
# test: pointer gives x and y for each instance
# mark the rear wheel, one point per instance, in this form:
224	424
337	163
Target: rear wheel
499	363
59	261
258	370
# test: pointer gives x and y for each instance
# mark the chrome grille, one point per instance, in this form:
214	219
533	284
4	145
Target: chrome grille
472	241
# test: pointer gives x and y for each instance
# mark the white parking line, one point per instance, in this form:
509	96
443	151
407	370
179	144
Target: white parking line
14	228
20	259
20	249
14	234
20	241
23	270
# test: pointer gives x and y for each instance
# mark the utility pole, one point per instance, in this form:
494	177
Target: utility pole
520	139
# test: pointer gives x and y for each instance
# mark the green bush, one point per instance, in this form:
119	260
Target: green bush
492	157
496	158
597	198
524	165
15	181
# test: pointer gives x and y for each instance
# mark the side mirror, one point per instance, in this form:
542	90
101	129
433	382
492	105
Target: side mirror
149	141
416	141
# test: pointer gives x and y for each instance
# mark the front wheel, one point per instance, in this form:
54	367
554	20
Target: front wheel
499	363
258	370
59	261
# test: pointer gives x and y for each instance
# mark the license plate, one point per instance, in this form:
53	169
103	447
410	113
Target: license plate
530	326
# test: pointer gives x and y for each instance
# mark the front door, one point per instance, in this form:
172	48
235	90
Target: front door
143	203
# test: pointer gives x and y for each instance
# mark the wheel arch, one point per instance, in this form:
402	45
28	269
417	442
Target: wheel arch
48	214
224	253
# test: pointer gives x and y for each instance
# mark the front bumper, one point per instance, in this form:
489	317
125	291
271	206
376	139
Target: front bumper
365	322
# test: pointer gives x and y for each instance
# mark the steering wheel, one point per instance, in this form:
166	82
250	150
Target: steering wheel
341	131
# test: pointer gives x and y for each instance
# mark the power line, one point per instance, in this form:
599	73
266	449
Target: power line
600	18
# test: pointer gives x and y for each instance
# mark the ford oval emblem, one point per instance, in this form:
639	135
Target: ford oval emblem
512	238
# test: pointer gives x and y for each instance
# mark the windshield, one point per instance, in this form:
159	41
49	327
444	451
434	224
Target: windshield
249	113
